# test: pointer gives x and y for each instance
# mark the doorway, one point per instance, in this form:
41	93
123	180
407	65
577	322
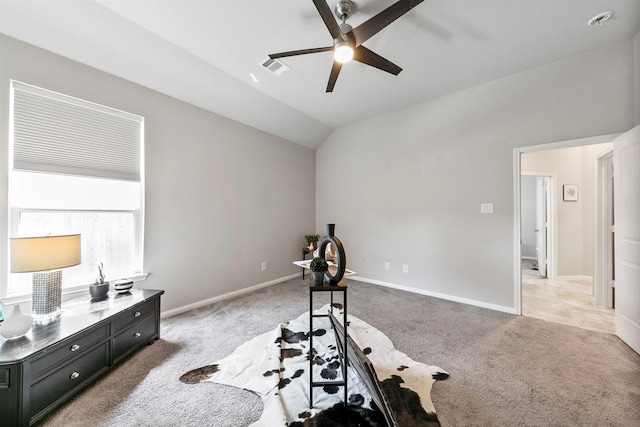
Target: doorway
556	235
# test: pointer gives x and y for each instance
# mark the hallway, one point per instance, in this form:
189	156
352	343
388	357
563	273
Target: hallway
568	302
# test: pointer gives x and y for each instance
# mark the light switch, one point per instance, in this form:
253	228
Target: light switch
486	208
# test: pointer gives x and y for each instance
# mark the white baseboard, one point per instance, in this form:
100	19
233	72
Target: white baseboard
575	277
482	304
495	307
199	304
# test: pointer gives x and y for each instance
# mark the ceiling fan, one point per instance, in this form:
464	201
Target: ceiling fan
347	41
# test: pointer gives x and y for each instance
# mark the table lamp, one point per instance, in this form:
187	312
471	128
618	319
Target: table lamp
44	257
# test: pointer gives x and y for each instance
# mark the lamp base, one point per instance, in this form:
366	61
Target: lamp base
47	296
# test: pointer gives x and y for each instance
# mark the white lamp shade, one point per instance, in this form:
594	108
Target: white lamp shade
29	254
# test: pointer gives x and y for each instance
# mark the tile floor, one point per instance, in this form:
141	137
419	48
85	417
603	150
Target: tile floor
568	302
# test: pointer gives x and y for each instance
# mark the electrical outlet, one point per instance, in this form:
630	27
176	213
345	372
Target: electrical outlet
405	268
264	266
386	265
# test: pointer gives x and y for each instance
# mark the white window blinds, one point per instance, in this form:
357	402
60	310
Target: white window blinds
56	133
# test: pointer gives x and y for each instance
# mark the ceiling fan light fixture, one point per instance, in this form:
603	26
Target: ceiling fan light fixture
343	51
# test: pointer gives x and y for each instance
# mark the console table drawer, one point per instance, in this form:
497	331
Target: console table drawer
134	314
68	377
58	360
69	348
134	336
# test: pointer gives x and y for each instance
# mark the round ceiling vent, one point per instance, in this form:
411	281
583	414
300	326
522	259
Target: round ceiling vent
601	17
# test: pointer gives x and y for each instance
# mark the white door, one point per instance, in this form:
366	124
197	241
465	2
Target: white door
541	224
626	157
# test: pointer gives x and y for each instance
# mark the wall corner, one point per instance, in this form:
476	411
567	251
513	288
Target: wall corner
636	79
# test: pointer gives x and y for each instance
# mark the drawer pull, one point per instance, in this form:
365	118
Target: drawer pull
137	314
74	376
75	347
137	334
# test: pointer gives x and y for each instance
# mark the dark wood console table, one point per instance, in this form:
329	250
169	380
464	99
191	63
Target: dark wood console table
52	363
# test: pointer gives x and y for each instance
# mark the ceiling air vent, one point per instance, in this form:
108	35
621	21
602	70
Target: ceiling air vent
274	66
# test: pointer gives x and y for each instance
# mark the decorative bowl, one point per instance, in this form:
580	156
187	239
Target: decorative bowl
122	286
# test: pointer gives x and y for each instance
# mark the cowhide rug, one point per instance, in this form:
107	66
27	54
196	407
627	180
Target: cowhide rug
275	366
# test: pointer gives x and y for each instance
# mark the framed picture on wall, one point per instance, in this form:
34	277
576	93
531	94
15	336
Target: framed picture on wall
570	192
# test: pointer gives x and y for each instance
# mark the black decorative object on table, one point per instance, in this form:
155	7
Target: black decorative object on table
341	258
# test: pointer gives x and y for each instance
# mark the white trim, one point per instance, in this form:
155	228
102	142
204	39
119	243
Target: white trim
603	241
517	285
185	308
193	306
517	232
592	140
574	277
466	301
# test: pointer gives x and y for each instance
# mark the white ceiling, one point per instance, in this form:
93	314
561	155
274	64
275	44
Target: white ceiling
205	51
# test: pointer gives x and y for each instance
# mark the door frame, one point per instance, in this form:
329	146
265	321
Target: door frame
603	241
517	232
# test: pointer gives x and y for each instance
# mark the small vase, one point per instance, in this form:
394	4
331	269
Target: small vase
99	291
318	277
16	325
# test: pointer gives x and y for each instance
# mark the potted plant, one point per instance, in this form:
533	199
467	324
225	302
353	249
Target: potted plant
312	240
318	266
100	288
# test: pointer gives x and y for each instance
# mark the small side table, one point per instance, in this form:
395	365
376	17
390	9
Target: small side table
305	251
342	346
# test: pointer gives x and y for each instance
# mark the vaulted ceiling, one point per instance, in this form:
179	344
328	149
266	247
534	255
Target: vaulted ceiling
209	52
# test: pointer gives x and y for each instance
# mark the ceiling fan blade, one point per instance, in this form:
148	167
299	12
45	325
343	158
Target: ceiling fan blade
300	52
329	20
372	26
335	70
366	56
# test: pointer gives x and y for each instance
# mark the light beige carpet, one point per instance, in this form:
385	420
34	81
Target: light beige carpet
504	370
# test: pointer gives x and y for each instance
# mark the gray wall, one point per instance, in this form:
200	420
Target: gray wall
403	188
406	187
221	197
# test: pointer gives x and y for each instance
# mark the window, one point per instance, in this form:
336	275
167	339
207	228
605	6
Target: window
76	167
